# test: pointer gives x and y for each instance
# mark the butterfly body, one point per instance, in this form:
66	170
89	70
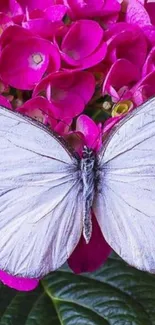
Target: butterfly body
88	172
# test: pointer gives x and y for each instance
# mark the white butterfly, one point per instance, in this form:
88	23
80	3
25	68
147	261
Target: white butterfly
46	193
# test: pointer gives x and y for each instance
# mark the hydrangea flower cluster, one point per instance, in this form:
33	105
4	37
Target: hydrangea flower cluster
78	66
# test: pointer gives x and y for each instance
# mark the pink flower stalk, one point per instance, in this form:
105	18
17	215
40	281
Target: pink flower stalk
78	67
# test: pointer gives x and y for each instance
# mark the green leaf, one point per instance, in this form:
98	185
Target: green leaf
116	294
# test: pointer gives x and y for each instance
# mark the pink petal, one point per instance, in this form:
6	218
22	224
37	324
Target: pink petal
142	2
78	43
10	7
84	8
3	87
5	102
47	23
127	72
15	8
14	33
69	106
89	257
76	140
149	32
92	132
149	65
5	22
39	108
135	51
144	89
70	91
83	49
110	7
43	27
59	80
110	20
28	62
18	283
125	41
137	14
63	127
4	6
108	125
150	7
84	85
42	110
141	94
92	8
56	13
34	14
45	112
89	61
33	4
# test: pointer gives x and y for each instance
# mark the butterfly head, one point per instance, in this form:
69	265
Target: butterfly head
88	159
87	153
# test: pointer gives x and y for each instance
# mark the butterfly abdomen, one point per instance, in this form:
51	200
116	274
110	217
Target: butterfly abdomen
88	178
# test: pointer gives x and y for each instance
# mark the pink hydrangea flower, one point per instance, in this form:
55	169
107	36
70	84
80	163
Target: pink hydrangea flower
29	60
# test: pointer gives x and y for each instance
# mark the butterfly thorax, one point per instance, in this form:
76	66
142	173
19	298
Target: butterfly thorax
88	176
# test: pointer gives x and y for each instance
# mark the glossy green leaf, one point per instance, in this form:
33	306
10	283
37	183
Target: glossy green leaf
116	294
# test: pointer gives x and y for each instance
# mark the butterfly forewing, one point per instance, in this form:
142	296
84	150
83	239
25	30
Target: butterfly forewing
40	198
125	202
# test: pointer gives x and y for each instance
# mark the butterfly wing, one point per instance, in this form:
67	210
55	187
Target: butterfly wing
125	202
40	198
